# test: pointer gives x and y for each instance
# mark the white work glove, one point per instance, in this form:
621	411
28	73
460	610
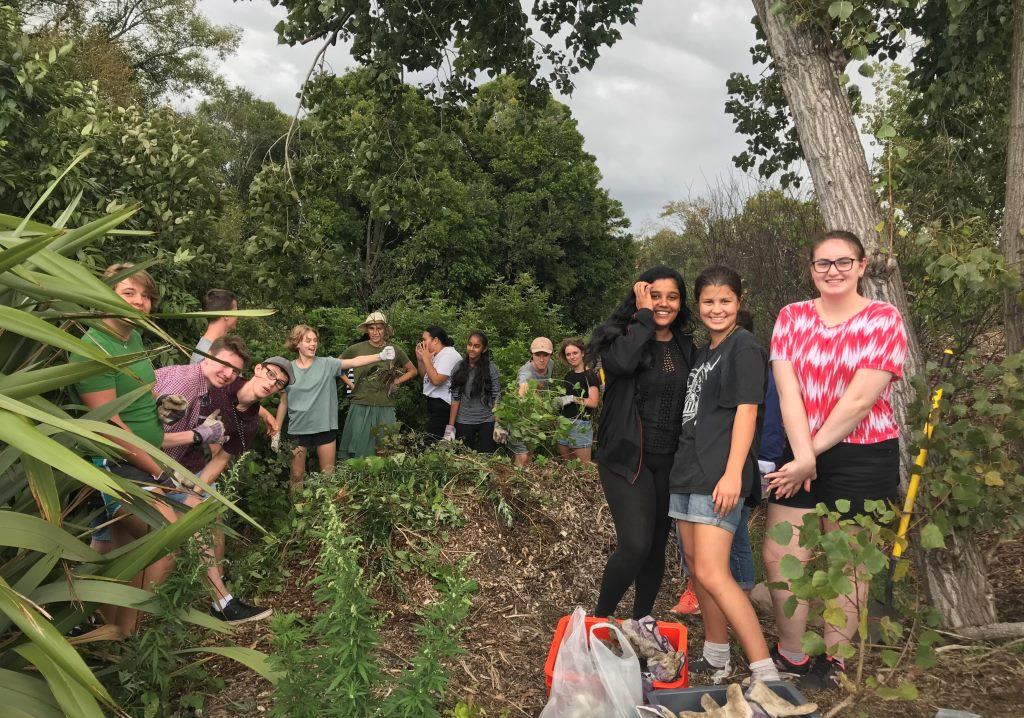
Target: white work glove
275	442
387	354
211	431
563	401
449	433
500	434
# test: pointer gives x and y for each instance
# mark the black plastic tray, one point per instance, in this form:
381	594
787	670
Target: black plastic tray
688	699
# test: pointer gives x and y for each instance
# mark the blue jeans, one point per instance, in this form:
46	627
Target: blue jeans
741	558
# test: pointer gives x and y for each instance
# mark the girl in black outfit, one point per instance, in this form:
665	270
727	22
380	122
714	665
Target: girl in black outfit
646	352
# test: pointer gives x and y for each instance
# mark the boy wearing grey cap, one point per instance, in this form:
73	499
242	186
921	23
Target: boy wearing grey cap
239	405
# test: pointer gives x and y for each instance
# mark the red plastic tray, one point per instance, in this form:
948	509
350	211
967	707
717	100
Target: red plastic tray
675	633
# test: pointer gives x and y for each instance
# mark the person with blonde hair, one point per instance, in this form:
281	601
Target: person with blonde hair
372	403
311	400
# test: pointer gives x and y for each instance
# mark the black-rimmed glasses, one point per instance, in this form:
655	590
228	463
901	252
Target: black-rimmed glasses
279	382
843	264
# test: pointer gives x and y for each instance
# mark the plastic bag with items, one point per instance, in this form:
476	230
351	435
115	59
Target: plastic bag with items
587	686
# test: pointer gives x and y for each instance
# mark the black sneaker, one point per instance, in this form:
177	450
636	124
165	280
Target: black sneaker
238	611
715	674
824	675
787	667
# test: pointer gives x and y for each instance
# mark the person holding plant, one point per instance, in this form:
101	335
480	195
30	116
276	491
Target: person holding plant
436	359
476	389
834	359
372	402
533	375
311	400
715	469
646	351
579	402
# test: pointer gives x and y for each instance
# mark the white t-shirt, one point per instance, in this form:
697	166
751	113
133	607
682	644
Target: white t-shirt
444	363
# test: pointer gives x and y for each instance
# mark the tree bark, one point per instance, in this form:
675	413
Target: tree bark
842	184
1013	214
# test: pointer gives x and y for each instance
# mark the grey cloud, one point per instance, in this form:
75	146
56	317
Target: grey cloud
651	110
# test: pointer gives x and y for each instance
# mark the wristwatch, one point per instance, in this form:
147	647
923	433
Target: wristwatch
197	438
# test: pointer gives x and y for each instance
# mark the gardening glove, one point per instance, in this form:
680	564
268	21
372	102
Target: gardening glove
449	433
171	408
275	442
500	434
183	480
775	705
387	354
736	705
211	431
563	401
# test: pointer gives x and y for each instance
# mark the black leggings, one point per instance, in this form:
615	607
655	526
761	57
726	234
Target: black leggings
640	513
438	412
478	437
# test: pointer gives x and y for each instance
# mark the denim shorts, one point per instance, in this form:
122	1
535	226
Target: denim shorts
700	509
581	436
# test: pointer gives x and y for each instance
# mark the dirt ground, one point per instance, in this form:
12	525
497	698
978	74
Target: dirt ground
550	561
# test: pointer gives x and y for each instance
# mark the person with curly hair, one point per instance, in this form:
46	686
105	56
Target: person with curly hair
311	400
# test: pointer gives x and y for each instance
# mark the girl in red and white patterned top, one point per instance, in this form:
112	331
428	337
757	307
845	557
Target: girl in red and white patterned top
834	359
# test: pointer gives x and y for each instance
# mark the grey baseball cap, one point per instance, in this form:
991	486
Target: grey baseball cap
282	364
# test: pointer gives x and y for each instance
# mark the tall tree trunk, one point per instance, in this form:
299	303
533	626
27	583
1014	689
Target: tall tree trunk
1013	214
842	184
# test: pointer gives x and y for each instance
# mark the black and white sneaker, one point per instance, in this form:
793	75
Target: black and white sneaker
237	611
787	667
709	672
824	675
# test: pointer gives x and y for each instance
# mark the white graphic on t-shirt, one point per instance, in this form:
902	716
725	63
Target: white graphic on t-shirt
694	384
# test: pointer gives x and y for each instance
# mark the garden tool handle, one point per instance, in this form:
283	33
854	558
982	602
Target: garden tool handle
922	456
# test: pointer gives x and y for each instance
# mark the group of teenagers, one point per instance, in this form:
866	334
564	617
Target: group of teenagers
460	394
679	441
688	437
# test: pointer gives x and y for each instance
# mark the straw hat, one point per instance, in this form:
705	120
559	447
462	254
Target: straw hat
375	318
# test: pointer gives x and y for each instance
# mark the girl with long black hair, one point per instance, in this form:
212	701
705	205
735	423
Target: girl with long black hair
646	351
476	388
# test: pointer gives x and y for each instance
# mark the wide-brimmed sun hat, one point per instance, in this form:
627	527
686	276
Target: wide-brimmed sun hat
374	318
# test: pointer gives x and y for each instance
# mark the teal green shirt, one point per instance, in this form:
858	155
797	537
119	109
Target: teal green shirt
313	397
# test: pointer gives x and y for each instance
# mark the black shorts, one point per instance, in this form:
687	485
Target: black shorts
310	440
856	472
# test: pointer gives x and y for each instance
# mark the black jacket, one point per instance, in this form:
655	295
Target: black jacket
619	433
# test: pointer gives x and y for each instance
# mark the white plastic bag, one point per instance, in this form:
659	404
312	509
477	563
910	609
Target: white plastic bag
576	688
620	675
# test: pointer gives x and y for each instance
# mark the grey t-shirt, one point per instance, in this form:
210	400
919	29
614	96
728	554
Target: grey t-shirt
527	372
474	407
313	397
733	373
202	345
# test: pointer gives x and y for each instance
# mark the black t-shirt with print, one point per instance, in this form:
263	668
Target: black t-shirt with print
733	373
578	384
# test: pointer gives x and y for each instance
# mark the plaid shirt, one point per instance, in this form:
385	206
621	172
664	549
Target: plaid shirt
187	380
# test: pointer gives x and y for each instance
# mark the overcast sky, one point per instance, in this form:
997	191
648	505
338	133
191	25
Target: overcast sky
651	110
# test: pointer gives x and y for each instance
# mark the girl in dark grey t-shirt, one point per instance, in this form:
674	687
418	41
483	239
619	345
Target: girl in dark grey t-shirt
715	467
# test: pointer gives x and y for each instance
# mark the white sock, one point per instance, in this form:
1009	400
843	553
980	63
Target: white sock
717	654
220	603
795	657
764	670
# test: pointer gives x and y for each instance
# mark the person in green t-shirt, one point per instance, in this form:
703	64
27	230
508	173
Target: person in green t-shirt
311	401
119	338
372	403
